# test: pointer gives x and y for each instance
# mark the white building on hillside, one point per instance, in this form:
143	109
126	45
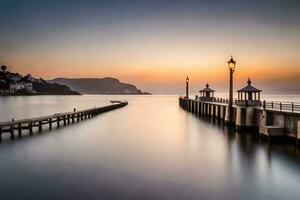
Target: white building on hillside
14	87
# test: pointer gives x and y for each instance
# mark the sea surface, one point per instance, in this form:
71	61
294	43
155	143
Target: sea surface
150	149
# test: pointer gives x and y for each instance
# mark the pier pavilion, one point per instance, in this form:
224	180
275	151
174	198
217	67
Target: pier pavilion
206	94
249	95
248	99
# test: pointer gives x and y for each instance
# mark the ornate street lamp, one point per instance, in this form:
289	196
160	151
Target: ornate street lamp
187	87
231	65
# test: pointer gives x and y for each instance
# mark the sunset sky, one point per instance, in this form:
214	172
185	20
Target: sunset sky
155	44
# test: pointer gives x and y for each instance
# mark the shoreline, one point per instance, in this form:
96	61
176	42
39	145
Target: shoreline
20	95
15	95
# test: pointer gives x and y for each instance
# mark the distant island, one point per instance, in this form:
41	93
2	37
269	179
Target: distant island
105	85
16	84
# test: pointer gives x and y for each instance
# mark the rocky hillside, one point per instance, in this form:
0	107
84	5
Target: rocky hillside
98	85
53	89
16	84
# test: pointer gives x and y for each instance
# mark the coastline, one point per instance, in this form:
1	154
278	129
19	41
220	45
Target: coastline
15	95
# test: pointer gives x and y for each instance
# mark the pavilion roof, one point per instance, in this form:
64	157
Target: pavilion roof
249	88
207	89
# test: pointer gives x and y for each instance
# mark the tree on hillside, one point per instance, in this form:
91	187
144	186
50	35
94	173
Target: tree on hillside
3	68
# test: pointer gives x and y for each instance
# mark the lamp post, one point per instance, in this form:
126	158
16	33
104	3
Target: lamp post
231	65
187	87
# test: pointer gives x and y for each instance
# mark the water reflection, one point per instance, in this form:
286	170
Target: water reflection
151	149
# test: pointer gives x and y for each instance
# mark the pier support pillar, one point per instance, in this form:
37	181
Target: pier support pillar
222	112
210	110
12	129
250	117
298	131
227	116
204	109
57	121
240	117
40	126
213	111
200	108
12	135
19	130
193	107
50	124
186	102
207	110
30	128
263	118
217	112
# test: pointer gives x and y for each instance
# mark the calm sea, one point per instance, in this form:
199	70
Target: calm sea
151	149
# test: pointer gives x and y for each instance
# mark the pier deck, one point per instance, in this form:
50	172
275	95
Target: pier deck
64	118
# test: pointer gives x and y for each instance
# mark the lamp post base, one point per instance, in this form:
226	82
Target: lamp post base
229	116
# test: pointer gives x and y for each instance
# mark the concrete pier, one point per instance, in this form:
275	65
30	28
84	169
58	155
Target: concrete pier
268	120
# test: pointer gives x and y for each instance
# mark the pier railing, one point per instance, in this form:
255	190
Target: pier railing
282	106
220	100
223	100
272	105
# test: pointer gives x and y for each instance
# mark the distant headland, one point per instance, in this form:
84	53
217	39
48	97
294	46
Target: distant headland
14	84
105	85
